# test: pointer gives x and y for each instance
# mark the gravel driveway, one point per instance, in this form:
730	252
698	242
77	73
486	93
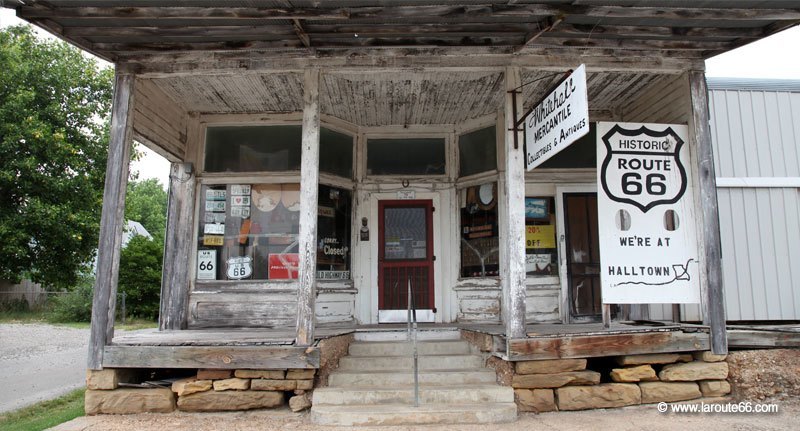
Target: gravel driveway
40	362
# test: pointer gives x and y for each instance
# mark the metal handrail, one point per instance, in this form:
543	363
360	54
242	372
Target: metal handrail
412	334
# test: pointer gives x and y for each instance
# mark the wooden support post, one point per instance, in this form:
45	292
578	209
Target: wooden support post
309	189
177	248
714	305
112	220
514	200
606	316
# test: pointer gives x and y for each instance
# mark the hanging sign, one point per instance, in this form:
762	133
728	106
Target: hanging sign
558	120
283	266
646	215
240	267
206	264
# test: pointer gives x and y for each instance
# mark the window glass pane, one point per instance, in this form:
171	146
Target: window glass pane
405	233
248	232
333	231
581	154
541	257
479	232
336	153
406	156
253	148
477	151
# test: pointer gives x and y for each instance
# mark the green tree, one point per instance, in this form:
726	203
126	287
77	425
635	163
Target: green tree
140	276
54	105
146	202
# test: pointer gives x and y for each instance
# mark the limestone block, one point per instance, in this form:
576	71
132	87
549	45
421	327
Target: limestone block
685	357
657	358
213	401
299	391
535	400
300	374
693	371
190	385
537	381
602	396
634	374
299	403
106	379
655	392
214	374
273	385
260	374
550	366
306	385
715	388
709	357
232	384
129	401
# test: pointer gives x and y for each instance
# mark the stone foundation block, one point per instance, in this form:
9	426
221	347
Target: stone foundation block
299	403
273	385
213	401
541	381
715	388
190	386
694	371
305	385
535	400
602	396
214	374
709	357
129	401
657	358
634	374
656	392
550	366
106	379
232	384
685	357
260	374
300	374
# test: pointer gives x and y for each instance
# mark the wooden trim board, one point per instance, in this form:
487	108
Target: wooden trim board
217	357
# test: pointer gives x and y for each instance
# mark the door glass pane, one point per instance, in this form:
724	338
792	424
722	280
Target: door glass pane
405	234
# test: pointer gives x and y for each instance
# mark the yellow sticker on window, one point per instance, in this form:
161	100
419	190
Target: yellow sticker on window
540	236
213	240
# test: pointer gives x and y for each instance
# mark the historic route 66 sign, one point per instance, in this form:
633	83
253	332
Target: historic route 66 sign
240	267
642	166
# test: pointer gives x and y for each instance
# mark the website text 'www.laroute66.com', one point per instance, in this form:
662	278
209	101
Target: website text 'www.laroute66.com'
741	407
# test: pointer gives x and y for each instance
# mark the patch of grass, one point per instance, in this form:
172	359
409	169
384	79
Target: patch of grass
44	415
23	317
134	324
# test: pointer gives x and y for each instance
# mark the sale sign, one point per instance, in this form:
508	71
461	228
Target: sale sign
646	215
284	266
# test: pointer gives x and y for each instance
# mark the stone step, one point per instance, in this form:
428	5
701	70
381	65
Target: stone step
402	363
393	379
402	335
455	394
397	348
406	414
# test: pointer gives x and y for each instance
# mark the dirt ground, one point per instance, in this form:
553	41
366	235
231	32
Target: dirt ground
760	376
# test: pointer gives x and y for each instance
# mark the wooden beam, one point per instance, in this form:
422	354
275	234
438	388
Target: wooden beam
757	339
219	357
178	243
309	191
301	34
176	12
112	220
536	35
514	203
590	346
700	130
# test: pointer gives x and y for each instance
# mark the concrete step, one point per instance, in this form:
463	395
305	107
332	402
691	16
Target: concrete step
456	394
428	362
397	348
405	414
393	379
402	335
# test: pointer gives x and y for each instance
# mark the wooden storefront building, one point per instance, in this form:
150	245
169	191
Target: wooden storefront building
324	153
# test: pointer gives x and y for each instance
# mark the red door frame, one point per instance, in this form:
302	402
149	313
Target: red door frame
416	263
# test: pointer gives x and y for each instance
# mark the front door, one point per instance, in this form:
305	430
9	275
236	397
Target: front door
582	256
405	253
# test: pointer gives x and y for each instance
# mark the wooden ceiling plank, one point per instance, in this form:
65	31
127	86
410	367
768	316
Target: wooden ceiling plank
301	33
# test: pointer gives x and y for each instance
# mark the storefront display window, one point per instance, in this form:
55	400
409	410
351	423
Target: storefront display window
479	231
333	232
420	156
335	153
541	257
477	151
248	232
252	148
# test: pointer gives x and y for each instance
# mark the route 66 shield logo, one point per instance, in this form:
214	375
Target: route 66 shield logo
239	268
642	167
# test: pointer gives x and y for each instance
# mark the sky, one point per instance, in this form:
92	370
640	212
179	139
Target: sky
773	58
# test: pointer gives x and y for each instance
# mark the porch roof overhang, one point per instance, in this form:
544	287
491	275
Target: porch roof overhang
189	36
